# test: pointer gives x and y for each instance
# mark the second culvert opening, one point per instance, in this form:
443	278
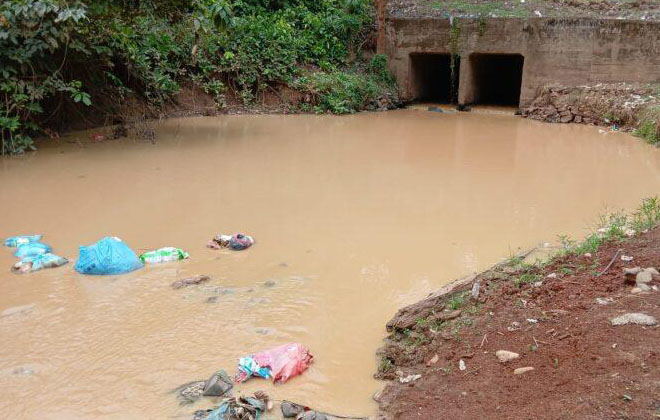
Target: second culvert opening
433	79
496	78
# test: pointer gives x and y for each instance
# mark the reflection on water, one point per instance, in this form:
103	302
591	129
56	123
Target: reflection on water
353	216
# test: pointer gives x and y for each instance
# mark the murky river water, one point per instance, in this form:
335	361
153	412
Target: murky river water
354	217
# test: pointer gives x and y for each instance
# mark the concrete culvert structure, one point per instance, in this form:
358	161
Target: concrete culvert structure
432	78
496	78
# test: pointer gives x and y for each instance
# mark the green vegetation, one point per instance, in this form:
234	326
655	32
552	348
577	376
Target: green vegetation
59	57
616	227
385	365
648	127
457	300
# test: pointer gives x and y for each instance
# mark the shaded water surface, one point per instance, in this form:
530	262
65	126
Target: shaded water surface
353	216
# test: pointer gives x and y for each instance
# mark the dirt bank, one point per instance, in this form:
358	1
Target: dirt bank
622	106
556	317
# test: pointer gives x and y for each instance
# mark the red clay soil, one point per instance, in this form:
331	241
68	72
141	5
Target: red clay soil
584	367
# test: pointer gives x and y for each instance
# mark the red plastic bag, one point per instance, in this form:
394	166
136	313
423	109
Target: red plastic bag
284	362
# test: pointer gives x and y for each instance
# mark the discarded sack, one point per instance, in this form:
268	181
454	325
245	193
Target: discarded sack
31	249
164	255
108	256
280	363
15	241
236	242
36	263
245	408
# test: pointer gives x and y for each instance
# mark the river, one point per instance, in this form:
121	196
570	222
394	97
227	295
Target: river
353	216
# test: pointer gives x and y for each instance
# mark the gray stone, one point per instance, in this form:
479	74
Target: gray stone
218	384
505	356
290	409
311	415
634	318
644	277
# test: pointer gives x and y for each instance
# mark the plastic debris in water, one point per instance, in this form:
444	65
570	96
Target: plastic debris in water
236	242
280	363
38	262
31	249
108	256
162	255
15	241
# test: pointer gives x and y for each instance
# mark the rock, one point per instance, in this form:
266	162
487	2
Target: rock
446	316
18	310
290	409
653	271
643	287
604	301
189	281
515	325
634	318
552	276
218	384
522	370
532	320
269	283
311	415
407	317
644	277
377	395
627	258
410	378
475	290
461	365
433	360
505	356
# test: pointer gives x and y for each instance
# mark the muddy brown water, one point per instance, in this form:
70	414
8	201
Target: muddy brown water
354	217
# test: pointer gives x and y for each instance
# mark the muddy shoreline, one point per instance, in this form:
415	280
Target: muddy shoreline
441	355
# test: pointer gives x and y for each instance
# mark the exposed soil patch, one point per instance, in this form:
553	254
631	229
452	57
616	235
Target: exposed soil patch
557	318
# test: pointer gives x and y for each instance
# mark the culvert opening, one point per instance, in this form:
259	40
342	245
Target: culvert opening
434	78
496	78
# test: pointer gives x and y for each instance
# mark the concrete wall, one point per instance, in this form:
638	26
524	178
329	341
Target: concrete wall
566	51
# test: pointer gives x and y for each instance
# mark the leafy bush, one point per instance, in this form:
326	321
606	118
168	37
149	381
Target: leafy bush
34	38
94	53
344	92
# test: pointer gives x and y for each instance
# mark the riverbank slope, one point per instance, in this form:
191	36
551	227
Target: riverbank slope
444	354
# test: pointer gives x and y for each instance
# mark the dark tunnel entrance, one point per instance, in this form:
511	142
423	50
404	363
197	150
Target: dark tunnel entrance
496	78
433	79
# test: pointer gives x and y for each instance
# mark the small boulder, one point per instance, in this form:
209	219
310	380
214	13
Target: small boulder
644	277
311	415
290	409
522	370
634	318
505	356
218	384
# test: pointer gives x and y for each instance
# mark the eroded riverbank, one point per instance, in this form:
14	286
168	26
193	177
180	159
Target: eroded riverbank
354	217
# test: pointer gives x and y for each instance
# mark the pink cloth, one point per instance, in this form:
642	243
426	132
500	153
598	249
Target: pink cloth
285	361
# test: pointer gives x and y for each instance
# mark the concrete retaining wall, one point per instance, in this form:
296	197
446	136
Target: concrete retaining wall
573	51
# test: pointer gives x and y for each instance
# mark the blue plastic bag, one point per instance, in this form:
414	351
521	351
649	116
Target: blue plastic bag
108	256
15	241
36	263
31	250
